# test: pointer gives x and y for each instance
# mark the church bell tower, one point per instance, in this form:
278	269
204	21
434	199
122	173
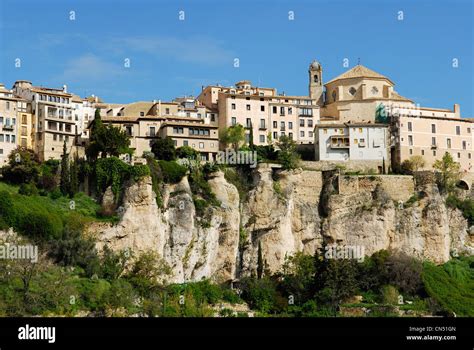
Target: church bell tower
316	82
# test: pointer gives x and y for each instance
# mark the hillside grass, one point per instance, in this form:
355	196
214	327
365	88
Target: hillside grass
452	285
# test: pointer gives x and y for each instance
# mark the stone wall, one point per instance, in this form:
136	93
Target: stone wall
363	166
398	187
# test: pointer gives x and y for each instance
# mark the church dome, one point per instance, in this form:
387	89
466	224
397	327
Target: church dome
315	65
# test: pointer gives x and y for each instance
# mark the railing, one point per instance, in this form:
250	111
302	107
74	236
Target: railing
8	127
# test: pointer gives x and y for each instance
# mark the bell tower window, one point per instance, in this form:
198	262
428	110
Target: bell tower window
316	78
334	95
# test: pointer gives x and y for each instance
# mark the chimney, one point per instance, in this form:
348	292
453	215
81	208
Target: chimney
457	110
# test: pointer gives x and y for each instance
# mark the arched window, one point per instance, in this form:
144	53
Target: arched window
316	78
352	91
334	95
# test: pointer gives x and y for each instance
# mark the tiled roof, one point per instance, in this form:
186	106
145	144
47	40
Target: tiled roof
359	71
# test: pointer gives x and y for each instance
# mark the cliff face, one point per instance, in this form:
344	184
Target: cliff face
298	212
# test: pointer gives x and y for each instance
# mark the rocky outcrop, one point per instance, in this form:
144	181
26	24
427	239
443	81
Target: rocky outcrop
285	212
192	250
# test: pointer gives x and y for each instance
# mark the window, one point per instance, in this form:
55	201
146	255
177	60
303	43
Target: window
352	91
360	130
274	109
1	150
464	145
201	145
310	123
301	122
185	143
262	123
433	141
410	126
422	152
55	137
275	124
374	90
458	130
448	143
469	155
1	120
433	128
282	110
167	111
468	130
290	110
262	108
248	107
434	153
2	138
411	151
142	114
302	133
262	138
8	105
290	125
356	141
233	106
249	122
459	155
282	125
334	95
234	120
310	134
152	131
275	135
410	140
325	131
290	135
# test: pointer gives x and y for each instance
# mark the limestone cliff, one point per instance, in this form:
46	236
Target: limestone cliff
285	212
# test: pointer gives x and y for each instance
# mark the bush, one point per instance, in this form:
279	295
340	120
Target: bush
172	172
389	295
187	152
28	189
164	149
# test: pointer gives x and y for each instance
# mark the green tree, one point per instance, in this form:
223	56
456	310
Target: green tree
23	166
251	144
74	177
115	142
234	136
65	183
413	164
164	149
187	152
96	139
448	170
288	156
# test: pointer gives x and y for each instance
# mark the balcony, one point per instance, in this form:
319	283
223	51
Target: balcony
434	146
9	127
339	142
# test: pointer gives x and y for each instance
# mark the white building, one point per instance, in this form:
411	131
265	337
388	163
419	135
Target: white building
8	124
351	142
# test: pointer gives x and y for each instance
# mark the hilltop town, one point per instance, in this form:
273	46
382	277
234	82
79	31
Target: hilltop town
356	118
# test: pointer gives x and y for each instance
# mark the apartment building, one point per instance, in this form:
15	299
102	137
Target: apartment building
431	136
262	111
84	112
26	124
8	123
357	142
185	120
54	114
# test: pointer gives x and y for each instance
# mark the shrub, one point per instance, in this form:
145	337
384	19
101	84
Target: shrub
187	152
389	295
172	171
28	189
164	149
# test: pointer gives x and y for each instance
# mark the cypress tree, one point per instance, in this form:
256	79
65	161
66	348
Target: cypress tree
65	184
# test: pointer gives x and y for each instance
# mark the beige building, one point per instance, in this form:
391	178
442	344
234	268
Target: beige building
26	125
431	137
8	123
53	112
185	120
268	114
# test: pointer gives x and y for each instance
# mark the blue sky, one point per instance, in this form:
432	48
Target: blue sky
170	58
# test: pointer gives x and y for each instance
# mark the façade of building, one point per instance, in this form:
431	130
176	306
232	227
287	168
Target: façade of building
366	103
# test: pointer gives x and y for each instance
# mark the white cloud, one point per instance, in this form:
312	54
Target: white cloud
91	68
196	49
